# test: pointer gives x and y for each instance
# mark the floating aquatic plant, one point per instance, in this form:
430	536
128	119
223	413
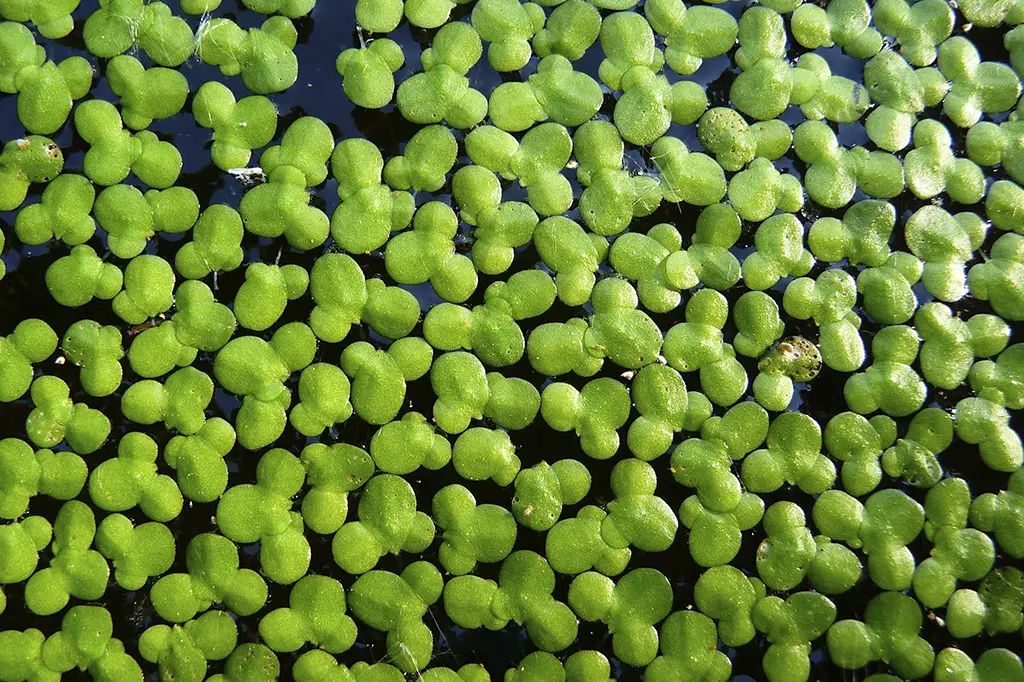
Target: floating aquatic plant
996	514
183	650
892	620
82	638
137	553
357	165
508	26
996	279
396	604
24	161
366	72
388	523
131	479
427	254
463	522
306	618
883	527
46	90
569	30
114	152
698	345
53	20
631	607
556	91
536	162
595	413
525	584
442	91
213	576
691	34
75	569
284	551
902	93
239	126
262	56
790	626
858	443
844	24
793	359
56	418
378	380
30	473
116	27
146	94
578	262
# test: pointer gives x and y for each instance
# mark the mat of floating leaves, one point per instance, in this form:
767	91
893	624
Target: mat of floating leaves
461	340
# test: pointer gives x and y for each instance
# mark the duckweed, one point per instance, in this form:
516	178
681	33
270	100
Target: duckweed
651	356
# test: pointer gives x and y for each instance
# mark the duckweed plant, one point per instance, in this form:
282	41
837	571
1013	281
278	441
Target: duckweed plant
545	341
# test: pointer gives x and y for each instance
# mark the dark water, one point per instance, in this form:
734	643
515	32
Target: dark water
318	92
